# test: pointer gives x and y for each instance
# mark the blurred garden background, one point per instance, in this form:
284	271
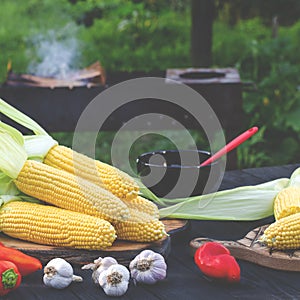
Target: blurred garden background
261	39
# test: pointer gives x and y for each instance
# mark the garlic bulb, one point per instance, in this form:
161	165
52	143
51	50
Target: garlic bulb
58	274
115	280
148	267
100	264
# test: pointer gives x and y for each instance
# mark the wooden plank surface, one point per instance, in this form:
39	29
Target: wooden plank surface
184	280
123	251
249	249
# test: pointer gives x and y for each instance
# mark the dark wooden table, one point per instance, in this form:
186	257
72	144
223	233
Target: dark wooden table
184	280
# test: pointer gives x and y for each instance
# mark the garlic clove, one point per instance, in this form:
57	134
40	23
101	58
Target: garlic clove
159	272
115	280
100	264
148	267
118	290
58	273
76	278
107	262
57	282
61	266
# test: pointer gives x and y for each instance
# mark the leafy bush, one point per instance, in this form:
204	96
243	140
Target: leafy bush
136	38
155	35
273	65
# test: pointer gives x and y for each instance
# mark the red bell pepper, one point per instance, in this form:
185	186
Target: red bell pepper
26	264
10	277
215	261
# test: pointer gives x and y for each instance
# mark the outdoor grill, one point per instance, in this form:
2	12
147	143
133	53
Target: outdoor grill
222	89
90	76
55	103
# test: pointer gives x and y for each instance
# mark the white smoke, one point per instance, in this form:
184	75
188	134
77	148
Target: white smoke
56	53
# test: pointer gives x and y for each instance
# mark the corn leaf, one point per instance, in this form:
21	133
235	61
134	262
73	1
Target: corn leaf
145	192
7	186
12	155
21	118
15	134
244	203
37	146
9	198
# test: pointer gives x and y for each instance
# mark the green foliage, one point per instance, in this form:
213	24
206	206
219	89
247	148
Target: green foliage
136	38
232	11
155	35
20	22
273	65
122	34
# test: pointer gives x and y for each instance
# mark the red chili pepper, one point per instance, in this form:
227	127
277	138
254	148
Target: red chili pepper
10	277
26	264
215	261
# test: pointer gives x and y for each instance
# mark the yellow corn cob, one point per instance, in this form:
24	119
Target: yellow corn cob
287	202
65	190
49	225
109	177
143	205
283	234
140	227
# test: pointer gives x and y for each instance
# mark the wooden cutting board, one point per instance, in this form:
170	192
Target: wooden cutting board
249	249
123	251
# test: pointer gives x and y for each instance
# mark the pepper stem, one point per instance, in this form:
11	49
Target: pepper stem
9	279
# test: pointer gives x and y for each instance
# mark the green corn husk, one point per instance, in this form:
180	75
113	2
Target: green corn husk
37	145
244	203
20	118
21	197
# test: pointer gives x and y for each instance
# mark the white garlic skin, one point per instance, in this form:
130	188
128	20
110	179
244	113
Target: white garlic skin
100	264
58	274
115	280
148	267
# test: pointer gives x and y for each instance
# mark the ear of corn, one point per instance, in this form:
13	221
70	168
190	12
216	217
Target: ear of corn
140	227
43	148
62	157
102	174
49	225
287	202
56	186
112	179
143	205
243	203
66	191
283	234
